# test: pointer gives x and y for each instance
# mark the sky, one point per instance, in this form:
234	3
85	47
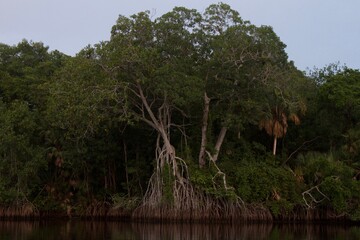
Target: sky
316	32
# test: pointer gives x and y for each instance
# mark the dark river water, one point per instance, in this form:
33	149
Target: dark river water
88	230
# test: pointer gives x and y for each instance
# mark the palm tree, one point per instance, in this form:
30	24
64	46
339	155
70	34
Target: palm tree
277	123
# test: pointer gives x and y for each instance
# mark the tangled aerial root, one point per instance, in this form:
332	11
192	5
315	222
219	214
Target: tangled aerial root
185	202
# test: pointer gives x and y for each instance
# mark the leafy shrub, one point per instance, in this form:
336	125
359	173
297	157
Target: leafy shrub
335	180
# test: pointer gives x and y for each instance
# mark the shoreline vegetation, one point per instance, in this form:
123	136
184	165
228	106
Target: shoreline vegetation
108	213
187	117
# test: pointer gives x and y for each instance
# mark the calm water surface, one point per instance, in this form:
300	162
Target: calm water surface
87	230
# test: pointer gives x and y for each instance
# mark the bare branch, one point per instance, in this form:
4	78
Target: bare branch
298	149
313	199
219	172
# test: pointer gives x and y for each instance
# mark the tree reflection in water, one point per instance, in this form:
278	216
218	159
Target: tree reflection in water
97	230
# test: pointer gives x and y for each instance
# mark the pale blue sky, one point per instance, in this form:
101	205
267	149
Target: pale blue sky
316	32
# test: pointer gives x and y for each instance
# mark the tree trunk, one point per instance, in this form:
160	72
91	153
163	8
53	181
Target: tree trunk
165	195
274	146
126	169
219	143
161	124
204	131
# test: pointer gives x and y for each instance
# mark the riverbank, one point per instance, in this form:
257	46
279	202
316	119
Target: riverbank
249	214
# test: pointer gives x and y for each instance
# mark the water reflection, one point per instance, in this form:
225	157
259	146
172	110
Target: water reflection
87	230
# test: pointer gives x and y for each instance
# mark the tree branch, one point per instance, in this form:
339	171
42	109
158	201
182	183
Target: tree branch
302	145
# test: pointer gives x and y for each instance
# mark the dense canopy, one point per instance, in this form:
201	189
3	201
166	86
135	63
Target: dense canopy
188	115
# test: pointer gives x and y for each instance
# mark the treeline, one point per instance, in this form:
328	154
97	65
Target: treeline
186	116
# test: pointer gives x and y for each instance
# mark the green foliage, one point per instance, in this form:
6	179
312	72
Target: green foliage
280	207
342	89
202	179
20	158
24	68
335	180
351	147
337	111
319	166
79	129
264	183
210	182
124	202
337	192
168	179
